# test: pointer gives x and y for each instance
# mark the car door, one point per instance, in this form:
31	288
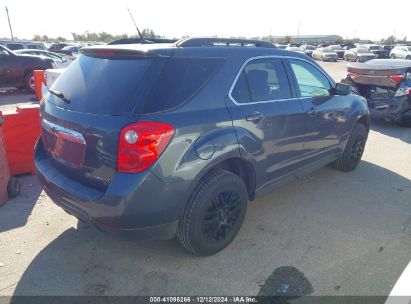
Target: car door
267	117
325	114
10	73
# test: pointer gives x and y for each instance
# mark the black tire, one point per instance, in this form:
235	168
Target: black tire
216	209
346	58
13	187
28	81
358	59
354	149
392	56
408	57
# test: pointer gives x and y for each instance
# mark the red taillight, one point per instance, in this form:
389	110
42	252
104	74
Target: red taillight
397	78
352	75
141	144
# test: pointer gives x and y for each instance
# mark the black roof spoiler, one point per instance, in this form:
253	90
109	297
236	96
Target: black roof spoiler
206	42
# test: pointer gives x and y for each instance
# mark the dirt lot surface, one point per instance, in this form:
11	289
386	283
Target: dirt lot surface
330	233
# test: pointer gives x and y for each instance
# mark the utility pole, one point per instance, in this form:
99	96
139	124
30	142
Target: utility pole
298	32
8	17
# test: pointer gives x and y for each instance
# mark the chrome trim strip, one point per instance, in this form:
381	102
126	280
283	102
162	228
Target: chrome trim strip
275	100
52	127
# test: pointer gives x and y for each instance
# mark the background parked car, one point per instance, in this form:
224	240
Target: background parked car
388	48
308	49
73	51
57	46
359	55
295	49
17	70
401	52
19	45
378	50
324	54
338	50
386	84
59	59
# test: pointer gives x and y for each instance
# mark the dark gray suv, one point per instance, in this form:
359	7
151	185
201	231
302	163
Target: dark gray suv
157	141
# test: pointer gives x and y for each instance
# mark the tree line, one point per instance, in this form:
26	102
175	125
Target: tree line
97	37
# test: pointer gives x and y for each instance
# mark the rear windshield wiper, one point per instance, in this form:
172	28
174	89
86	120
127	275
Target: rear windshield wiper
60	95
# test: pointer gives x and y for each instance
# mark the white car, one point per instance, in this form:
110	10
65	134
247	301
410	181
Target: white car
324	54
59	59
401	52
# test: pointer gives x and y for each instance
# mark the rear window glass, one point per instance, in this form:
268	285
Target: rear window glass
141	86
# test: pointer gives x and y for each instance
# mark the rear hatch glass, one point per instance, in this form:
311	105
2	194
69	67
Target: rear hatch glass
121	87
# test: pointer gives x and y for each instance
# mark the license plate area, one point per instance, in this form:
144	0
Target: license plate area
66	146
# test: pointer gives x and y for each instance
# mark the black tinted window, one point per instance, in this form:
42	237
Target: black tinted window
262	80
179	80
117	87
103	86
15	46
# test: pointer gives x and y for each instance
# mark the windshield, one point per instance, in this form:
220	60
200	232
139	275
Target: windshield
376	47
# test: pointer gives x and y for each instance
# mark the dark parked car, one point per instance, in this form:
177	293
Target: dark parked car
386	84
359	55
17	70
379	51
158	141
57	46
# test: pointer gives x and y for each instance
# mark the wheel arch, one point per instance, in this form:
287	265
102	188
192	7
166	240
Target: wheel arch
238	166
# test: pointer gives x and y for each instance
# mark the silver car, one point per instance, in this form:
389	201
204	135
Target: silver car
324	54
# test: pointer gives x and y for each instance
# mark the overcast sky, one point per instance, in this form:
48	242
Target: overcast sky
348	18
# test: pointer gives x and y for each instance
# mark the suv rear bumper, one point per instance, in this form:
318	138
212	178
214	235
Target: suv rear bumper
138	206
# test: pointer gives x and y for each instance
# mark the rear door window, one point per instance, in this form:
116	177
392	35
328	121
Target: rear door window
262	79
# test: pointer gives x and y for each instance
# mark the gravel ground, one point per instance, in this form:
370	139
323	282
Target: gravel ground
329	233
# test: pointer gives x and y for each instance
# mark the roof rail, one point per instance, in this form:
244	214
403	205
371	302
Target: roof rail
202	42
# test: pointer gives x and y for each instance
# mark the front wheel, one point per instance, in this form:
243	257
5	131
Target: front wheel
214	214
354	149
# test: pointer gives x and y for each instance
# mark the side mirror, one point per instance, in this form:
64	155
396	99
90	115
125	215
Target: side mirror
342	89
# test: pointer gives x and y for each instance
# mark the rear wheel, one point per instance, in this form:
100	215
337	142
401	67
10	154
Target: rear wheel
354	149
214	214
29	83
346	58
392	56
